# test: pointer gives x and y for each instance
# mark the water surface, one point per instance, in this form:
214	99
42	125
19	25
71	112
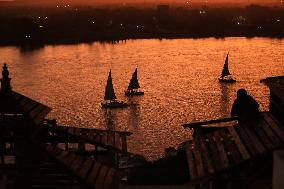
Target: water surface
179	77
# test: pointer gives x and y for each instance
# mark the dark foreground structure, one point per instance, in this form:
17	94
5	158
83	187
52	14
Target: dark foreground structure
239	154
36	153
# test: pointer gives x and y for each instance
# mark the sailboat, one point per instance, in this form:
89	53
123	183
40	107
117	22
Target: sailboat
133	87
226	76
110	97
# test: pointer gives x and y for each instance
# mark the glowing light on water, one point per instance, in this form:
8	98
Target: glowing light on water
179	77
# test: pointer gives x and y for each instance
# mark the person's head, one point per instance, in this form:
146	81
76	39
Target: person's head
241	93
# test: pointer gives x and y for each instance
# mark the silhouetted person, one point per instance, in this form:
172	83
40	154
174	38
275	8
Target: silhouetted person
245	107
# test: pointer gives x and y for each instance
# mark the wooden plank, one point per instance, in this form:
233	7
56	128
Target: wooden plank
96	137
36	110
277	122
231	147
76	164
207	158
71	163
190	161
77	131
65	129
24	100
221	124
238	143
90	134
29	106
40	117
85	131
56	151
62	155
68	160
123	143
87	165
98	131
274	126
253	137
71	130
218	164
271	135
212	149
17	96
91	178
101	177
262	135
277	90
117	141
104	138
110	138
198	160
221	150
247	141
194	124
110	179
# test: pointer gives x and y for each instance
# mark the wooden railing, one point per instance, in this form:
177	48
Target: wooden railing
228	147
215	121
113	140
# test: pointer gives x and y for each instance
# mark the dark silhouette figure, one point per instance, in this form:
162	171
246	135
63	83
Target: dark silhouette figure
5	81
245	107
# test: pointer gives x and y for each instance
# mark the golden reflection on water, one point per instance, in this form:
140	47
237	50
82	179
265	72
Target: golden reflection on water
179	78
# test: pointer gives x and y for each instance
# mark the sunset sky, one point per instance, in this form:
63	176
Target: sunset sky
140	1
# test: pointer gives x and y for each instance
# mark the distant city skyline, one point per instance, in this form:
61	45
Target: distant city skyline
142	1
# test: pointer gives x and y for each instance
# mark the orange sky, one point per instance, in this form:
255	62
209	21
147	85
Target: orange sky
180	1
140	1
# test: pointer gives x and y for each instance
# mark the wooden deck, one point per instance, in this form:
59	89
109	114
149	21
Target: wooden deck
29	152
80	169
227	147
18	104
29	166
95	173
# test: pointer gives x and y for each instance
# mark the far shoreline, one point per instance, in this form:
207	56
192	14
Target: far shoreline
37	45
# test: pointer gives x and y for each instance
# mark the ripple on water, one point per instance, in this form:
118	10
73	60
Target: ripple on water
179	78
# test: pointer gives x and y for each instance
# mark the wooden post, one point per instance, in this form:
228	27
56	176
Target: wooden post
113	139
81	146
66	146
124	142
2	151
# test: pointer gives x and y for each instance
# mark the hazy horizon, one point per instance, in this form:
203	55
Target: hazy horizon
94	2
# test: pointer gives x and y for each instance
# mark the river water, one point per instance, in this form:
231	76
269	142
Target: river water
179	77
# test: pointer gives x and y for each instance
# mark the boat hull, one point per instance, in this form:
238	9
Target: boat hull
227	80
114	104
134	93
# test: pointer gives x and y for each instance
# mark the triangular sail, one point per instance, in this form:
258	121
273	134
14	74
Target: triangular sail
109	92
226	71
134	84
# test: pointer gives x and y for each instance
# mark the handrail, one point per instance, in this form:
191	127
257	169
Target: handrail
127	133
194	124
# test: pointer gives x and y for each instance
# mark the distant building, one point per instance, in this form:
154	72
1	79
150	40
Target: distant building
163	8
